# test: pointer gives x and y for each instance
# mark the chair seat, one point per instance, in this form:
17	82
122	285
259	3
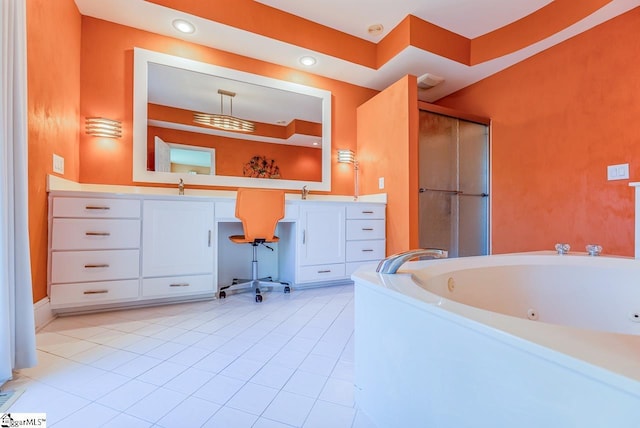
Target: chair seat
241	239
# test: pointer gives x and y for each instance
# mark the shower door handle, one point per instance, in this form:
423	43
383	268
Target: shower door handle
481	195
450	192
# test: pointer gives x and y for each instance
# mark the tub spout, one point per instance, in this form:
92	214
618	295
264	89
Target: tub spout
392	263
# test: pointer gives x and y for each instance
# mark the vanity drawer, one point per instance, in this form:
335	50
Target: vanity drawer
65	295
83	266
360	211
177	285
94	234
365	229
365	250
321	272
96	208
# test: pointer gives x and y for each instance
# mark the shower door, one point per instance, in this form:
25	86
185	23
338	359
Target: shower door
454	185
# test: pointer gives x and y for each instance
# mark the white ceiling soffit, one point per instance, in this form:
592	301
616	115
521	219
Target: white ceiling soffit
157	19
469	18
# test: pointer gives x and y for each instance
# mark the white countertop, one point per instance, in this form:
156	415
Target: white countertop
59	184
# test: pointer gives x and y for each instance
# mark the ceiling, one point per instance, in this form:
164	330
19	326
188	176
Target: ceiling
470	19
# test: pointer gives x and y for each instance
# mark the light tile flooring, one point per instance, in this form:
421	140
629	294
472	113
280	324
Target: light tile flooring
285	362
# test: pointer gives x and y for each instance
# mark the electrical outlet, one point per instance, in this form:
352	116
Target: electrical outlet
381	183
58	164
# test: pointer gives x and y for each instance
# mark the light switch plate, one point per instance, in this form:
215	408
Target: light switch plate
381	183
58	164
618	172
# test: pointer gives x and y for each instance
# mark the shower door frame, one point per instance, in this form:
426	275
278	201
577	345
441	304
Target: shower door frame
457	114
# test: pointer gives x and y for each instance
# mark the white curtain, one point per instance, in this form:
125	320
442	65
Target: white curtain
17	327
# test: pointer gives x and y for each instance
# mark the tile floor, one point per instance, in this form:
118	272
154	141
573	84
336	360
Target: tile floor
286	362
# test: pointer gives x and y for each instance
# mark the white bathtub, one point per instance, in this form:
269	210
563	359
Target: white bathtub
522	340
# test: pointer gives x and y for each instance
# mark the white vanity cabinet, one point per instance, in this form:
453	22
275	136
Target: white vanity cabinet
94	251
178	241
110	250
366	235
321	242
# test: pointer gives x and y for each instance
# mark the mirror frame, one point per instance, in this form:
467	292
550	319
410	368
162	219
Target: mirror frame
143	57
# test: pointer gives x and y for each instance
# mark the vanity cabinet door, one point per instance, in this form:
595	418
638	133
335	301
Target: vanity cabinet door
177	238
321	238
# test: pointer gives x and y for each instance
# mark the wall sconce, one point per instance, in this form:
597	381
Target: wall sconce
102	127
348	156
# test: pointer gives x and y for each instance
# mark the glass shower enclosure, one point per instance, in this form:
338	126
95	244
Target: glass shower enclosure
453	185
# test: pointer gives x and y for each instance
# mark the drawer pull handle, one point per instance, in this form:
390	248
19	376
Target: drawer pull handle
367	251
367	212
96	207
97	233
324	271
179	284
96	266
96	292
367	228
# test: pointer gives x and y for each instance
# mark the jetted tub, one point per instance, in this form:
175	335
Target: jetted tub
518	340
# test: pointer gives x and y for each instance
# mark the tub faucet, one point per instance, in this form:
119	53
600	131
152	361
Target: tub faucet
563	248
594	250
305	192
181	187
392	263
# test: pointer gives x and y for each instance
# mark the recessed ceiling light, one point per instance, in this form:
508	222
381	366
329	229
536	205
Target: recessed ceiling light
183	26
307	61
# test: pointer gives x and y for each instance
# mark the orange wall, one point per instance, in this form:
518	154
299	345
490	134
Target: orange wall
558	119
53	108
388	147
106	82
295	163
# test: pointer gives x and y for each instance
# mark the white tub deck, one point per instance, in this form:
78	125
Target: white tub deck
423	360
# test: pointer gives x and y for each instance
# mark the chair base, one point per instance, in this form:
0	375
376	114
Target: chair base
256	286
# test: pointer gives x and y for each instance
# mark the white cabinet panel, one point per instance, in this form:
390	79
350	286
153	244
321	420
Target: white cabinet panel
83	266
94	234
86	294
365	250
177	285
319	273
322	234
96	207
363	211
365	229
177	238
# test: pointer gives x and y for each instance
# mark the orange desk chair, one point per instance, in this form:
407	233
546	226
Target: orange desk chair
259	210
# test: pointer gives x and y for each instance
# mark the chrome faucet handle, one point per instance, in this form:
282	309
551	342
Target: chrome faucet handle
181	187
305	192
593	249
563	248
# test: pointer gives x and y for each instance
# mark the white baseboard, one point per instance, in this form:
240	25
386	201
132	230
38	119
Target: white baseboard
43	313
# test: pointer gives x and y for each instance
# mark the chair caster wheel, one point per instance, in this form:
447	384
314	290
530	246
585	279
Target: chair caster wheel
287	289
258	298
222	295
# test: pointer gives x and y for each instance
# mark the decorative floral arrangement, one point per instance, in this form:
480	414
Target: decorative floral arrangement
260	167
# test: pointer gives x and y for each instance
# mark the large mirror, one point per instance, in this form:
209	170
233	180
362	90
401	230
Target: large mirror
253	131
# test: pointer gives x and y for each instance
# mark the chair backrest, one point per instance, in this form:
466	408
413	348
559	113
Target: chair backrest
259	210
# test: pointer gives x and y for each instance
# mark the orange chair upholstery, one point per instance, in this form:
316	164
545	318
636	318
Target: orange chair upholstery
259	210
